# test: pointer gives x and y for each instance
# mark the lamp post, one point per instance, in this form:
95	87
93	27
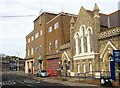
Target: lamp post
18	62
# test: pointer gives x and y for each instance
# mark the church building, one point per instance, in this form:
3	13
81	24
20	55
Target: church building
93	37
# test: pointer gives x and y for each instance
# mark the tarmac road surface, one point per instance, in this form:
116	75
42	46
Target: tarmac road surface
11	80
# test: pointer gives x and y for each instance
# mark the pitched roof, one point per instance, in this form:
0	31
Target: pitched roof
108	20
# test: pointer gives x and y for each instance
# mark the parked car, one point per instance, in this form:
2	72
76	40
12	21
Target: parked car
42	73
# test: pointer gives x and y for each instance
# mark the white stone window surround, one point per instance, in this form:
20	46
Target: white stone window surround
89	42
76	42
85	56
89	39
83	32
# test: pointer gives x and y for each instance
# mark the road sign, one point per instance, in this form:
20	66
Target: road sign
116	56
112	69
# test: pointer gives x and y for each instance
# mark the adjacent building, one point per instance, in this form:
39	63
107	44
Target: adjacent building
43	43
11	63
35	43
58	33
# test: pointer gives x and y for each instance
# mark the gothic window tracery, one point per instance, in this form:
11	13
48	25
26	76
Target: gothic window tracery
83	40
78	44
90	43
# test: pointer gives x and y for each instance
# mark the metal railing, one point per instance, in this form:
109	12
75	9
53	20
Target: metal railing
96	75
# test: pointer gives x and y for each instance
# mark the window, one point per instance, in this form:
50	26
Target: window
90	67
32	51
78	68
78	44
90	40
28	52
85	44
50	29
83	31
56	43
84	68
84	40
76	41
40	48
29	40
36	49
32	38
50	46
36	35
56	25
40	32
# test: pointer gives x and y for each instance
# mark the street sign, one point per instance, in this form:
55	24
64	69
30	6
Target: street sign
112	69
67	67
116	56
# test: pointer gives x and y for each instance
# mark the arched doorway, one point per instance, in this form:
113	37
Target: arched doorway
106	56
65	65
106	64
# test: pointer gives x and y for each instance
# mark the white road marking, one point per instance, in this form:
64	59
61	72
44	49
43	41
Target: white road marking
21	82
25	83
29	85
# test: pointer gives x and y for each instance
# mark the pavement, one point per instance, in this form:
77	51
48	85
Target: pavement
58	80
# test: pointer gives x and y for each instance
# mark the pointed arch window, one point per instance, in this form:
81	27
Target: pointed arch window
84	38
90	40
78	44
85	44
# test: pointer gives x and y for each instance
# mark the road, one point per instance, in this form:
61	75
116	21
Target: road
11	80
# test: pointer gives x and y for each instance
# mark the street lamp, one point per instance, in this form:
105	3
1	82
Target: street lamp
18	62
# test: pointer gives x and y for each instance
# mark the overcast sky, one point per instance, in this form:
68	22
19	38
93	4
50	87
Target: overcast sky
13	30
